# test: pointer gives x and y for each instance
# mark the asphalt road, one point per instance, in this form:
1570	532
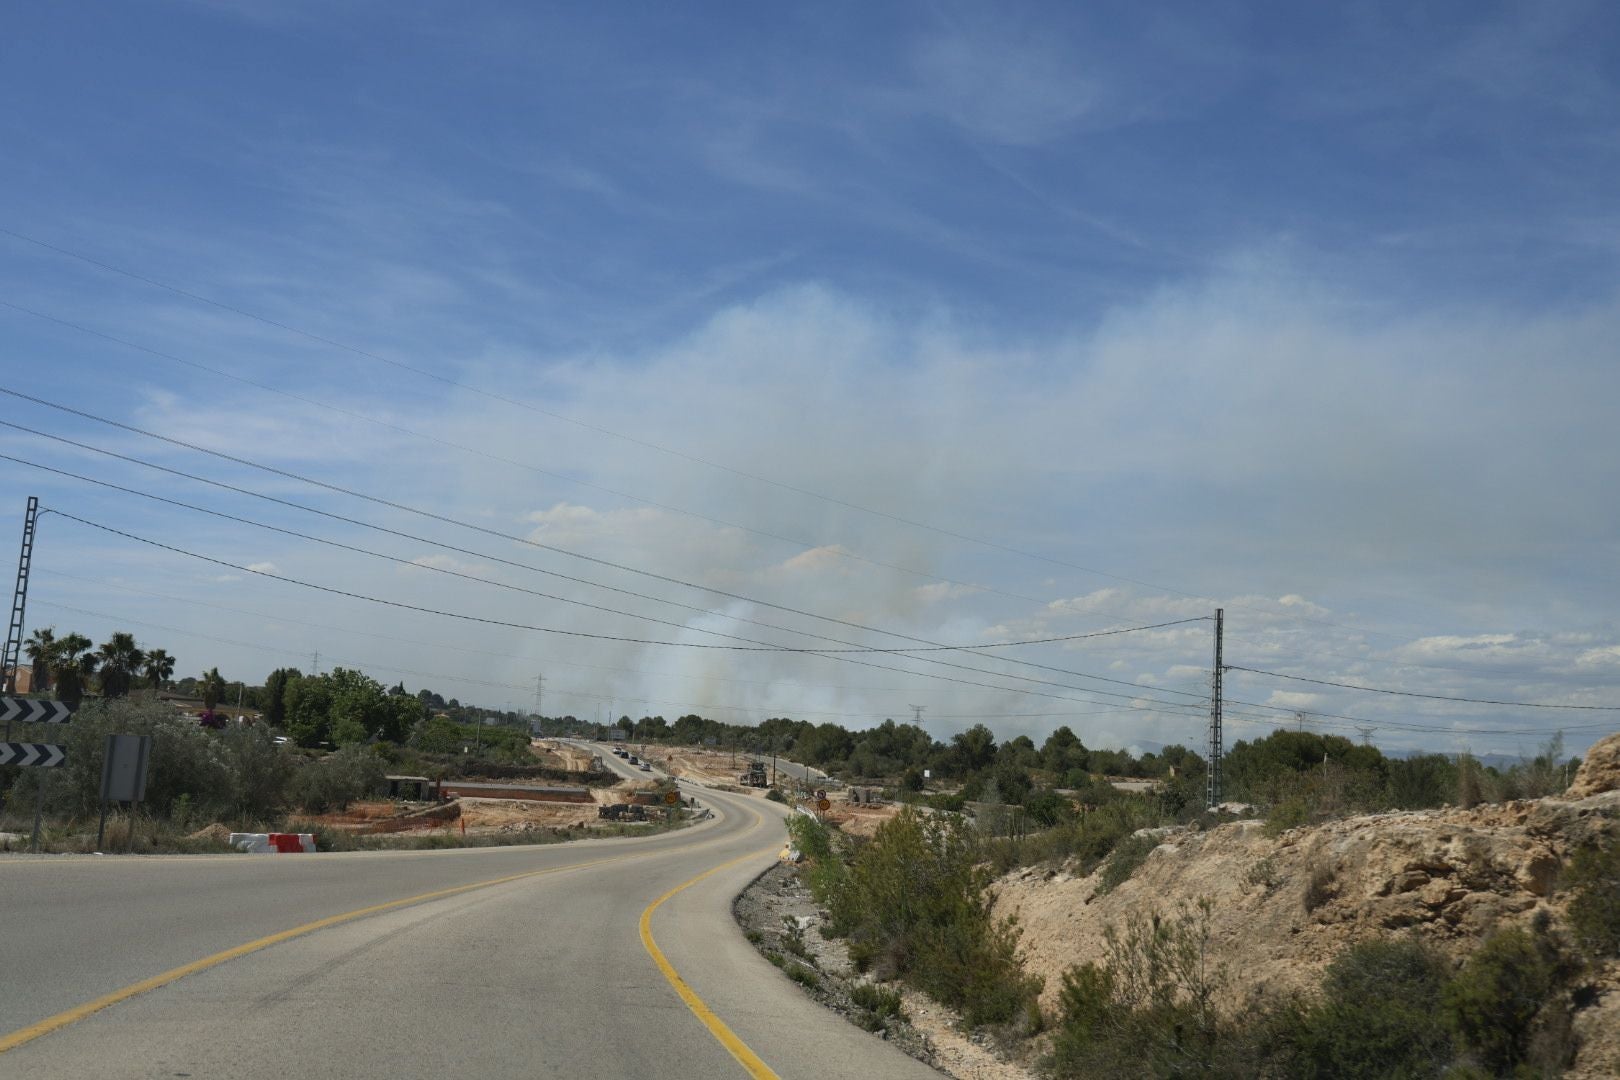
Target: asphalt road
783	765
528	961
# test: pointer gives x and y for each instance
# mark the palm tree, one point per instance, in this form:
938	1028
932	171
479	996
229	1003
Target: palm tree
39	647
159	666
71	665
213	688
121	659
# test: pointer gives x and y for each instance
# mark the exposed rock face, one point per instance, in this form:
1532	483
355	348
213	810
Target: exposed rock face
1599	772
1284	907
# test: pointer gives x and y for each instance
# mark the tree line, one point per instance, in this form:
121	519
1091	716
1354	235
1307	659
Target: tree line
73	664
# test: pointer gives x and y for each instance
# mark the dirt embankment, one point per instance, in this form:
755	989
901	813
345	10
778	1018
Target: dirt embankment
1284	907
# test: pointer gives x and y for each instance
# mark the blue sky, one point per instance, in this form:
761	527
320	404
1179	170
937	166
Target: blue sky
1302	311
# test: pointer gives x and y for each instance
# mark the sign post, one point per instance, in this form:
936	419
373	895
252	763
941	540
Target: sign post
32	754
123	777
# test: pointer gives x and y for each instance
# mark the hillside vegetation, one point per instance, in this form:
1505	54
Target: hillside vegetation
1448	942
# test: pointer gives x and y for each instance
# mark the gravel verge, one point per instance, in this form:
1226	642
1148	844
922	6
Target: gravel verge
784	922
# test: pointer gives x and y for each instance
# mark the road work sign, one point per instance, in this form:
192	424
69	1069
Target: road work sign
671	797
823	805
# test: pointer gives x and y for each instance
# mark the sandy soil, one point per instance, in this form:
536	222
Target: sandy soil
712	766
479	815
560	755
495	814
860	820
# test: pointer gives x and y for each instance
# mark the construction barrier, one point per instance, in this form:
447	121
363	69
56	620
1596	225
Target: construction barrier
286	843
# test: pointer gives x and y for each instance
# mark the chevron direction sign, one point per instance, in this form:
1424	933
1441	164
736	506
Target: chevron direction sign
34	711
39	755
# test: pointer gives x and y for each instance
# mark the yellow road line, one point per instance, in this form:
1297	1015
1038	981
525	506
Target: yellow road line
717	1027
79	1012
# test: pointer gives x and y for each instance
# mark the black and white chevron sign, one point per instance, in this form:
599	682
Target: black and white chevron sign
39	755
34	711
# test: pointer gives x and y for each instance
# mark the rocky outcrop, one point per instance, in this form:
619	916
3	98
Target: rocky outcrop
1599	772
1284	907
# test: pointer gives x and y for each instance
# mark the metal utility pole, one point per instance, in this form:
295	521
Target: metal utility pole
539	698
19	601
315	661
1213	795
916	713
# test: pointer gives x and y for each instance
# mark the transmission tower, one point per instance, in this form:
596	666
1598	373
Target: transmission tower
539	697
1214	774
1366	733
916	713
19	601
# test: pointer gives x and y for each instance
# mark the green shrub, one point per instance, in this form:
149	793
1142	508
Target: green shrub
338	779
260	770
1149	1009
811	837
1319	887
186	759
793	939
1287	814
1375	1016
803	976
1123	861
1593	876
913	904
1263	874
1088	839
878	1000
1492	1002
775	796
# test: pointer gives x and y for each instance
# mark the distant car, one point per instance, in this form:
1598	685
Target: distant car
631	759
646	767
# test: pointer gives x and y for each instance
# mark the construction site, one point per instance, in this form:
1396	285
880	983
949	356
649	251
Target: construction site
483	805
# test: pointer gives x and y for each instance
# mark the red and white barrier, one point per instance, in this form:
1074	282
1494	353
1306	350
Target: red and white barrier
258	843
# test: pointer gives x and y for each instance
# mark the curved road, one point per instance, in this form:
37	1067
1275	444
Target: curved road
489	962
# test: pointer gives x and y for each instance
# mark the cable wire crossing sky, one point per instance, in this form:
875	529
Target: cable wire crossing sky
833	362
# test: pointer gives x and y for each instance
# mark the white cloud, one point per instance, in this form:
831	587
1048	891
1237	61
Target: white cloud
1293	699
1214	438
1006	90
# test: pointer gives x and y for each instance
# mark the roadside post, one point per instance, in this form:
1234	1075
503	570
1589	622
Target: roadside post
123	778
33	754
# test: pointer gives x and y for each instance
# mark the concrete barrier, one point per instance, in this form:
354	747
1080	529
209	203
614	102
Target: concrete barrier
273	843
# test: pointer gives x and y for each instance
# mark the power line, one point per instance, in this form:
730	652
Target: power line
526	659
1430	697
1348	723
528	542
353	414
393	669
550	596
599	429
463	649
582	634
1476	671
753	647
